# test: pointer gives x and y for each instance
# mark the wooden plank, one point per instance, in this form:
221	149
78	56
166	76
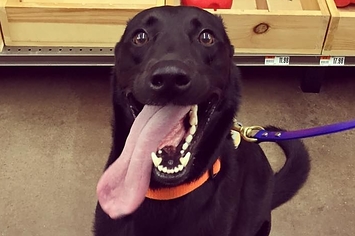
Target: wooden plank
70	15
51	34
341	40
332	8
4	22
287	34
285	5
119	2
42	24
262	4
333	26
50	24
244	5
106	4
323	7
311	5
293	31
2	5
172	2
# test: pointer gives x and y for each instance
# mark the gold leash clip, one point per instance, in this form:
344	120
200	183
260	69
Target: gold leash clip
247	132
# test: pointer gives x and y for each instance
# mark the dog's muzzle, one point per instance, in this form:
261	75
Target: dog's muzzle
170	79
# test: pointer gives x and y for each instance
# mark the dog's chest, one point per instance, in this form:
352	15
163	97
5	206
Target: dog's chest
197	217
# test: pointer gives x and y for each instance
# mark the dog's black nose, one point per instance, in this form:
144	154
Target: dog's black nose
170	78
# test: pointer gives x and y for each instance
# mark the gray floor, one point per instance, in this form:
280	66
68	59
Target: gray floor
55	139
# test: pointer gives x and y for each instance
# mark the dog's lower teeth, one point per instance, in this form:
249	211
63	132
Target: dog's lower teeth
166	170
183	163
185	146
156	160
184	160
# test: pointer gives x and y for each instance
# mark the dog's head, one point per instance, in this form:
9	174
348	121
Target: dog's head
175	77
174	55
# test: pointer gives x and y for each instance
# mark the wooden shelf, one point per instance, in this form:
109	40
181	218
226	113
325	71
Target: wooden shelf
103	56
85	23
275	26
341	34
298	27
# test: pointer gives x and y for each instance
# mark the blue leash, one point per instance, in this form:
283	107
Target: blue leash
259	134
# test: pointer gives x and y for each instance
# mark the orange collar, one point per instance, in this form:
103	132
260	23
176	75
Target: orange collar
181	190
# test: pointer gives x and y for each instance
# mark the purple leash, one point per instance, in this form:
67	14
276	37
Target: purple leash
274	136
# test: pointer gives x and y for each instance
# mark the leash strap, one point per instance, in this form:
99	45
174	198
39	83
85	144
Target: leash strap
263	135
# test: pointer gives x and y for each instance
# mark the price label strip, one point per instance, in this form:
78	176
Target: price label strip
332	61
277	60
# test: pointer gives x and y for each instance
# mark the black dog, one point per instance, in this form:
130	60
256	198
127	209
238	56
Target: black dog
173	168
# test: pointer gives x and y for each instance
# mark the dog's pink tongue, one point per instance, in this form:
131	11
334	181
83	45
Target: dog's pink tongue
123	185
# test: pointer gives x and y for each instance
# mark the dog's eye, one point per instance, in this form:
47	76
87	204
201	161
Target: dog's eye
206	38
140	38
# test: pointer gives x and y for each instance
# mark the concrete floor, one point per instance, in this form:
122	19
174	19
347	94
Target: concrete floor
55	139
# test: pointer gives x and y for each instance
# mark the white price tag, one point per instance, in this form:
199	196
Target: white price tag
332	61
337	61
324	61
277	60
285	60
269	60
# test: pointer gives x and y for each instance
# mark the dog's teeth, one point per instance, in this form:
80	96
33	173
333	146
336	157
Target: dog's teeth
189	138
182	152
194	109
160	151
192	129
184	160
176	170
193	115
165	170
156	160
193	119
185	146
